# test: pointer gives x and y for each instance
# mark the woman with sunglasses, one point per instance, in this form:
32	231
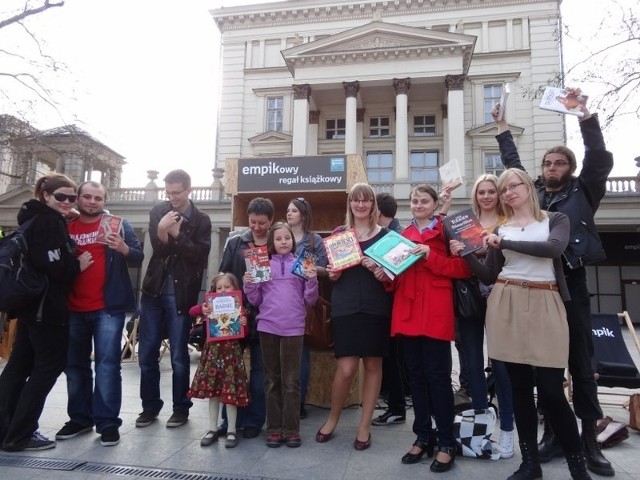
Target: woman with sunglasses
40	350
526	318
299	219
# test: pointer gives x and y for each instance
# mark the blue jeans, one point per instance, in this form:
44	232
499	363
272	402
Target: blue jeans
471	336
102	333
504	394
158	320
429	368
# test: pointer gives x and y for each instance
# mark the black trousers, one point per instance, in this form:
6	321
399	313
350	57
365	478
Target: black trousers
38	358
549	382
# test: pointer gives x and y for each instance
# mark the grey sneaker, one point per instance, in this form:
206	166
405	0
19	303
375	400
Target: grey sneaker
38	442
145	419
177	419
72	429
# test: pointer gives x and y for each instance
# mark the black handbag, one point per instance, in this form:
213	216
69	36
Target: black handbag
467	300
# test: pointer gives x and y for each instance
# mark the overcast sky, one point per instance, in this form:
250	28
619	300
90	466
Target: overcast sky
143	77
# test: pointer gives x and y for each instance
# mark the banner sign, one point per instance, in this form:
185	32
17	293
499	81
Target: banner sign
327	172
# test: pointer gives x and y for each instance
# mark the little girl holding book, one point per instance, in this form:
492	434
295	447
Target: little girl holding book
221	375
281	316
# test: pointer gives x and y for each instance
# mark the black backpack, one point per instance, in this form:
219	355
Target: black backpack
21	283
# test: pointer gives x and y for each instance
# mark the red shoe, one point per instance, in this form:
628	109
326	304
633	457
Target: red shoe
274	440
293	441
323	437
360	445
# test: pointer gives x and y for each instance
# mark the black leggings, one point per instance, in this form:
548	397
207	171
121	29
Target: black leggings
551	393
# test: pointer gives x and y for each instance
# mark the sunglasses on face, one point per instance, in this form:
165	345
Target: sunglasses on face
61	197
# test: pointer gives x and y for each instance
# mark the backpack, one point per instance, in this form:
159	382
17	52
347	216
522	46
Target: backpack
21	283
472	430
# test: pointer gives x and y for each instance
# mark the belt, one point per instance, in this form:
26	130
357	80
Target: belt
528	284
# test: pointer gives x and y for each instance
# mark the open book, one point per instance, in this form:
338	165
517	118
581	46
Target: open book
558	100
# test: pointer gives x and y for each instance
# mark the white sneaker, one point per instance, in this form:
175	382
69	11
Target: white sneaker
505	444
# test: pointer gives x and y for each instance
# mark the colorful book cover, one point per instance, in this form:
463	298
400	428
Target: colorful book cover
502	105
224	321
257	262
305	260
465	227
558	100
393	252
450	176
109	224
343	250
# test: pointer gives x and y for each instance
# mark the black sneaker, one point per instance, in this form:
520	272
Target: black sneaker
388	418
38	442
110	436
145	419
177	419
72	429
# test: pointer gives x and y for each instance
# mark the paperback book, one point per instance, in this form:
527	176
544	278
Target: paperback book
224	321
109	224
450	176
257	262
393	252
558	100
343	250
304	261
465	227
502	105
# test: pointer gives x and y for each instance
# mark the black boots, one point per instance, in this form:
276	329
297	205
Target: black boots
530	466
549	447
577	466
596	462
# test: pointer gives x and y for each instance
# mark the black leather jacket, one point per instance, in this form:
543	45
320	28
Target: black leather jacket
185	257
580	198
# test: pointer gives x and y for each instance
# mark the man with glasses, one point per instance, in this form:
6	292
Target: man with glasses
98	301
181	239
578	197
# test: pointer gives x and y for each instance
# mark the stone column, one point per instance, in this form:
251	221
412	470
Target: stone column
455	123
214	255
351	90
312	141
301	94
401	87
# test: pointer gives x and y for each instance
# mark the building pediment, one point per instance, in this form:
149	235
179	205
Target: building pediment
270	138
491	130
381	41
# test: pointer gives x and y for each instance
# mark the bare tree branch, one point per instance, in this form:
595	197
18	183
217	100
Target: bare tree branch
27	12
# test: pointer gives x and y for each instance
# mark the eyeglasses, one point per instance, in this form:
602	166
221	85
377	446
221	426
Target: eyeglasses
61	197
510	188
558	164
174	194
364	202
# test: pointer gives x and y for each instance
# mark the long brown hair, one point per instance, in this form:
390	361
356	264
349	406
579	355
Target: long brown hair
362	191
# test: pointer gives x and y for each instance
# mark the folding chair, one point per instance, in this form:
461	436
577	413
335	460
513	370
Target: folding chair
614	368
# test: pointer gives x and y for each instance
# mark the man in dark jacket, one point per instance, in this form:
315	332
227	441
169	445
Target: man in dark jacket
181	239
559	190
98	301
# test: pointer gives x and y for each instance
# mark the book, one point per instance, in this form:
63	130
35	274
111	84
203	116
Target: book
305	260
450	177
257	262
223	323
502	105
393	252
343	249
558	100
109	224
465	227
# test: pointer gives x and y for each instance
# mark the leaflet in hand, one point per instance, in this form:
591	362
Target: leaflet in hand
304	261
450	176
393	252
257	262
465	227
224	321
109	224
343	250
558	100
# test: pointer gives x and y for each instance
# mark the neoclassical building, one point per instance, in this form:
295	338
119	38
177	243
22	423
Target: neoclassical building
408	85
